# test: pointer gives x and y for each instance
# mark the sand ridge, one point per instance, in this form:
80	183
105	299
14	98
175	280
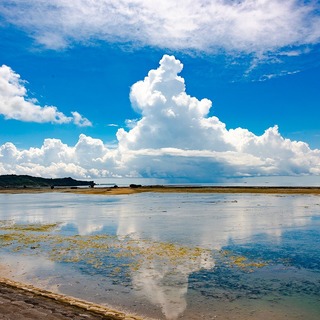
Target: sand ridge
169	189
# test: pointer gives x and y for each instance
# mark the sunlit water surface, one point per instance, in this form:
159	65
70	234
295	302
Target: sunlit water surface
170	256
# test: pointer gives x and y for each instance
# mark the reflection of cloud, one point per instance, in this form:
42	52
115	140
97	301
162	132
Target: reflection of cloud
166	285
217	223
238	222
207	220
162	281
218	219
83	227
29	270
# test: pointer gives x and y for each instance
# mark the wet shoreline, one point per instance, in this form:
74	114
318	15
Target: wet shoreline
18	299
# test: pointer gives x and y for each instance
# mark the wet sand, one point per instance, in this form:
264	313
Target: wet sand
20	301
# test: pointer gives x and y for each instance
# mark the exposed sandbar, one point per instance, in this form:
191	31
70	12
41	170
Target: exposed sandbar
171	189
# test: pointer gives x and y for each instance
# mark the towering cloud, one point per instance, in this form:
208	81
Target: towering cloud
175	128
170	117
174	138
14	103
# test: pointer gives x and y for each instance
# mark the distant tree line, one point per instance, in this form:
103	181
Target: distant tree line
23	181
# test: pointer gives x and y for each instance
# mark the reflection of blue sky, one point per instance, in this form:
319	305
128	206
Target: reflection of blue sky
298	248
278	229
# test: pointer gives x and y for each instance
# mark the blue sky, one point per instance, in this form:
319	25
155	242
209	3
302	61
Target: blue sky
257	61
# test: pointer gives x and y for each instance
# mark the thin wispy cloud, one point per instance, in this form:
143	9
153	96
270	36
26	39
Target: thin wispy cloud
15	104
174	138
252	27
112	125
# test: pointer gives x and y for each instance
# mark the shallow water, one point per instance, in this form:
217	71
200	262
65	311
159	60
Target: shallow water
171	256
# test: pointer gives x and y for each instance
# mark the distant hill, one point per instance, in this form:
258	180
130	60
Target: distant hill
15	181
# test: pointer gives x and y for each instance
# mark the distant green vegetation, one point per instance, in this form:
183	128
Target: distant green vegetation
15	181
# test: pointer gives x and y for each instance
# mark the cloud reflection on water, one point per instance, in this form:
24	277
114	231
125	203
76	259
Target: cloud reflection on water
215	225
208	221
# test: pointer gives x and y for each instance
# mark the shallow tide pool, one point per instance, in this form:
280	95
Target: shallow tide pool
169	256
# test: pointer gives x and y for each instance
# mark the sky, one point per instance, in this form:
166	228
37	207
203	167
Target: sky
193	91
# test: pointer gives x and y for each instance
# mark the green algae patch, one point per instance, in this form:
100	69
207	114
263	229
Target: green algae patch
111	255
7	239
241	262
102	253
36	227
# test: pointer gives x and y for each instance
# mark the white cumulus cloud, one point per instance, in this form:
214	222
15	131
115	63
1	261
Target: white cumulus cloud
88	158
15	104
174	138
258	26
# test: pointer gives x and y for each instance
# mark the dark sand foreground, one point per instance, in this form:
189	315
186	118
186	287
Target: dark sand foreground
18	301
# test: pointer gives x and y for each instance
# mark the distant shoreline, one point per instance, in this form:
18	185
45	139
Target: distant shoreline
168	189
26	181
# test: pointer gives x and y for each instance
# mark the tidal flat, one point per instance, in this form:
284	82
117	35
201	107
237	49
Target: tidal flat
169	255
